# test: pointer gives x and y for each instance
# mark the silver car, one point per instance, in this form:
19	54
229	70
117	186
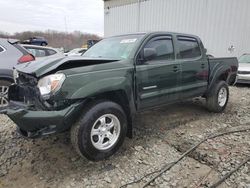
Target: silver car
42	52
244	69
10	55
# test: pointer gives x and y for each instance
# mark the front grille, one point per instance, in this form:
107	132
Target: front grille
243	72
26	79
25	94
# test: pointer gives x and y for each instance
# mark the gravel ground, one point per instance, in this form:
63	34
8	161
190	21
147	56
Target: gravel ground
160	137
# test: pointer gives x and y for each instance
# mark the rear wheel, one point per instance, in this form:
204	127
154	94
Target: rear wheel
100	131
218	97
4	88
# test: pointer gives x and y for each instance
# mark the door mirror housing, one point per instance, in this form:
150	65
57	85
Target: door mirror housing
149	53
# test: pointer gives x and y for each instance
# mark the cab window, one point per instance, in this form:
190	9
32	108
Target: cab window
164	48
189	48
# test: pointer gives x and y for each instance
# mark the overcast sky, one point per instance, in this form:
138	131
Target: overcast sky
23	15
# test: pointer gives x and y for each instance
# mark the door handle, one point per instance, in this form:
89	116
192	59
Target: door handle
150	87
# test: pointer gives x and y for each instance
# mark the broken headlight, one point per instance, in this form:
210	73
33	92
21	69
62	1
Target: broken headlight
50	84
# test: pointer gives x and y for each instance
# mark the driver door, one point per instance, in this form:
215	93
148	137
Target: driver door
158	78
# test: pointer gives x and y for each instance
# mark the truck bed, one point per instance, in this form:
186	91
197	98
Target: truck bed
229	65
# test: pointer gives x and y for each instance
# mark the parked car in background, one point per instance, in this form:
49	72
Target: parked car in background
40	41
10	55
97	95
42	51
76	51
91	43
244	69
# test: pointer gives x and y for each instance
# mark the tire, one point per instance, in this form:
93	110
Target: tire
88	131
43	44
217	98
4	88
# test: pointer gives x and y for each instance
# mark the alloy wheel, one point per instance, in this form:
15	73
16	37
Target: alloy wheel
222	96
105	132
4	96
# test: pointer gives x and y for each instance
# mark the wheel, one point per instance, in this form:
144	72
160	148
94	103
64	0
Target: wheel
43	44
4	88
100	131
217	98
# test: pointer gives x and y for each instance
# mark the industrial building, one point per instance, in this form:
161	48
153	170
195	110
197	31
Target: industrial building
223	25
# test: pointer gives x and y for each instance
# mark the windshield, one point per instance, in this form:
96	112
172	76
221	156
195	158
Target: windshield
245	58
114	48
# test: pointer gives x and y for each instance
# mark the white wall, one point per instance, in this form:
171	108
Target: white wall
219	23
122	19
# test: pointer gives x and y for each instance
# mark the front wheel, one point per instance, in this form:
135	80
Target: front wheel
100	131
217	98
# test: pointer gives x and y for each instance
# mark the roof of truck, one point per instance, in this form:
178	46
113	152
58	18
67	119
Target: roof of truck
157	32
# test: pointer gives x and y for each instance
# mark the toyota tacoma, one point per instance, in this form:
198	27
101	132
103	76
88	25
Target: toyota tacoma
97	95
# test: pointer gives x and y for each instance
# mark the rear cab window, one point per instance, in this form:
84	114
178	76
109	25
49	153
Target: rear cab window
189	48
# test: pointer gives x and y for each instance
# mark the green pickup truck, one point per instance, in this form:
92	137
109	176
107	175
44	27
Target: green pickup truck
98	94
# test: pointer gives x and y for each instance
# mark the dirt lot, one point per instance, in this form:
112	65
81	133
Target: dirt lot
161	136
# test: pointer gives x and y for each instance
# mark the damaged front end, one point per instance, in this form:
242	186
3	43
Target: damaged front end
34	109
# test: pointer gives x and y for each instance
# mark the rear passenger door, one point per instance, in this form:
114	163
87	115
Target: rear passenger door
194	66
157	79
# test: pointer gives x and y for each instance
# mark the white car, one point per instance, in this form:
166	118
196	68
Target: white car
41	51
244	69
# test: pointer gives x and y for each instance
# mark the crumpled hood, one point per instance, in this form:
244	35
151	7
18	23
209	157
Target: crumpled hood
244	67
42	66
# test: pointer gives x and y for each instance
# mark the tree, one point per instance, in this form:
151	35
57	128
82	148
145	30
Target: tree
56	39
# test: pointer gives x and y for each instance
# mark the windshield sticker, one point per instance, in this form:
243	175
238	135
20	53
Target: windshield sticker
125	41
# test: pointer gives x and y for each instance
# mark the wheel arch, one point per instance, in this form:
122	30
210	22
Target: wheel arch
222	75
120	97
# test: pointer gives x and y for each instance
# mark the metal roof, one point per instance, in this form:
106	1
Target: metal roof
117	3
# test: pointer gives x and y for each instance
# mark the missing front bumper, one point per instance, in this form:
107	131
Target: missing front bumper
40	123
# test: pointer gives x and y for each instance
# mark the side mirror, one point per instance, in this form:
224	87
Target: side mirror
149	53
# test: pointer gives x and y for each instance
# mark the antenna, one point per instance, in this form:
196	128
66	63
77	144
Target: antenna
65	23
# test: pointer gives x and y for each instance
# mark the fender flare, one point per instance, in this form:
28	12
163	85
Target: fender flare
221	73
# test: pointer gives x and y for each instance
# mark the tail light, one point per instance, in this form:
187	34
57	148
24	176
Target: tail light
26	58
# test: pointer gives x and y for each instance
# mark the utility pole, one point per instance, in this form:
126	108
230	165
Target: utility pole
65	24
66	33
138	15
